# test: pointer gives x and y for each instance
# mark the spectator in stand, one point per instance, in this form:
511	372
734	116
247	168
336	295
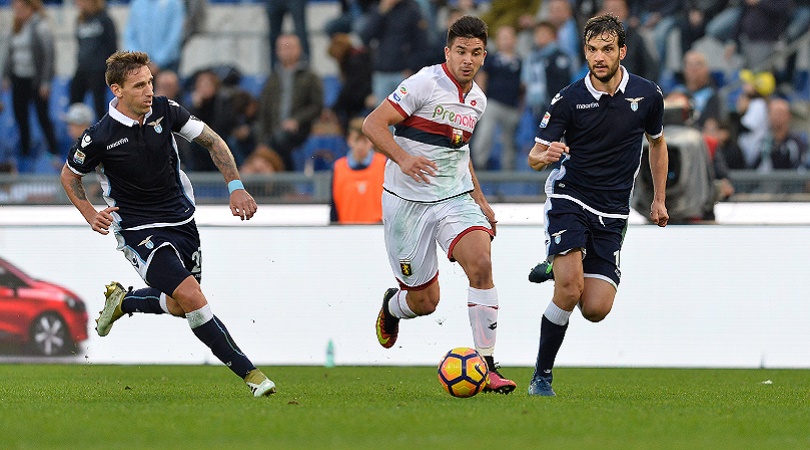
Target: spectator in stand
757	33
782	148
638	60
721	26
262	161
698	13
436	56
546	70
196	14
799	25
290	102
398	34
29	68
211	104
357	180
719	134
352	18
559	13
276	10
97	40
752	111
167	84
245	110
156	27
78	118
518	13
659	17
354	63
699	88
499	78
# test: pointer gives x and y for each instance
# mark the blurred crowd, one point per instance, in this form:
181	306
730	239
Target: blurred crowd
747	112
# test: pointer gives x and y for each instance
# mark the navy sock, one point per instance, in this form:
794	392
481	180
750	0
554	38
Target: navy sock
144	300
214	334
551	338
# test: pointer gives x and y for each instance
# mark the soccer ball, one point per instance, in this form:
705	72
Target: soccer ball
463	372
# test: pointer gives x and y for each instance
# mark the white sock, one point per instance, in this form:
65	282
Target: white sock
482	306
163	304
557	315
398	306
199	316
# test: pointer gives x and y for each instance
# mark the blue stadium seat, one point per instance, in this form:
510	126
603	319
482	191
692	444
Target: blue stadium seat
331	90
253	84
719	78
319	152
801	85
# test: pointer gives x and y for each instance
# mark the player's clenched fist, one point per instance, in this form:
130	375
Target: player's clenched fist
540	156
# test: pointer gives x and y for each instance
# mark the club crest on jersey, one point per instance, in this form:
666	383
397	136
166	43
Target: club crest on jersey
157	125
634	102
78	157
546	118
148	242
405	267
86	140
558	236
458	138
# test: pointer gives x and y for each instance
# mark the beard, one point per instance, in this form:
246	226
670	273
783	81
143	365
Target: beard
605	78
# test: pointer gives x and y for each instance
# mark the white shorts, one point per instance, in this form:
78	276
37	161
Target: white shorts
412	230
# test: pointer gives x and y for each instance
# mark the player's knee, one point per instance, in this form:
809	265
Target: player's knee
423	304
174	308
596	313
569	288
189	295
480	272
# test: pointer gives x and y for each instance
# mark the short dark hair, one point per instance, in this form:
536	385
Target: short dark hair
605	24
467	27
120	64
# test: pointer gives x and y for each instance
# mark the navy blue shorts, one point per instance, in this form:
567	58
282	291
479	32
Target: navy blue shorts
164	256
570	226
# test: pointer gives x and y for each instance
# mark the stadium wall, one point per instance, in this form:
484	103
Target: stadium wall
691	296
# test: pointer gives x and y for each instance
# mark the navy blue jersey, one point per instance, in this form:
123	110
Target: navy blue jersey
605	135
138	165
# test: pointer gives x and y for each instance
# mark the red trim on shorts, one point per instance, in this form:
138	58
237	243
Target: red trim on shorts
461	235
405	287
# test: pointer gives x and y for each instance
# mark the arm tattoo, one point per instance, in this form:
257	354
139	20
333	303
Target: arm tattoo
220	153
77	189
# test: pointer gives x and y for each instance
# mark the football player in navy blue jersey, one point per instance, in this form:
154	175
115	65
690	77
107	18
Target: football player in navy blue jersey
592	135
151	206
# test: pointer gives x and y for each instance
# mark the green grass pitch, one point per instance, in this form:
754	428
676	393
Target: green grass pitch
149	407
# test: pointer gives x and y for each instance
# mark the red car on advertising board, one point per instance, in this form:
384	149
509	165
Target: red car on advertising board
48	319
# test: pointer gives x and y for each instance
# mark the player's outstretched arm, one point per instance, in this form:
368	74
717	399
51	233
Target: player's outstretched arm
659	165
241	202
99	221
375	127
541	155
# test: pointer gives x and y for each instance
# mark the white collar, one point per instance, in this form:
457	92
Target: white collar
120	117
597	94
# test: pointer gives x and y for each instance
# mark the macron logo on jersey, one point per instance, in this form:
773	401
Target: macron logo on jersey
590	105
463	120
